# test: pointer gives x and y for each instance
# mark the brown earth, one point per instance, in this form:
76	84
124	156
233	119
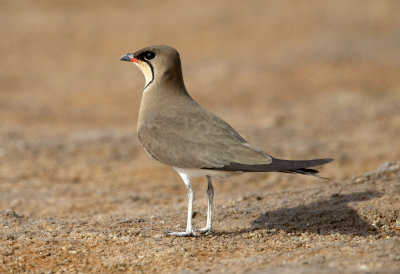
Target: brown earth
301	79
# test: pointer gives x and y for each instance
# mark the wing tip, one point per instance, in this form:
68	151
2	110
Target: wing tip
276	165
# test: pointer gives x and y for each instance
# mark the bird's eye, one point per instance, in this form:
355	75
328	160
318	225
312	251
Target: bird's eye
148	55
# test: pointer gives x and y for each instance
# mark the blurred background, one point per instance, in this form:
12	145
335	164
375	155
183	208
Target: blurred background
301	79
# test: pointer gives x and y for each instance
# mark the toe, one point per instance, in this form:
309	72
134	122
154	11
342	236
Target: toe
204	230
182	234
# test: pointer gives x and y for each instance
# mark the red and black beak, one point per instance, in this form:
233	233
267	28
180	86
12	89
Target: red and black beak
128	57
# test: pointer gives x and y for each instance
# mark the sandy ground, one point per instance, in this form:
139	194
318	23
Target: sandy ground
300	79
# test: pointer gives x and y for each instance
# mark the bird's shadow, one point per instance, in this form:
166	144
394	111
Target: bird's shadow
332	215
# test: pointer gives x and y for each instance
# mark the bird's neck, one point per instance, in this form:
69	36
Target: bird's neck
160	97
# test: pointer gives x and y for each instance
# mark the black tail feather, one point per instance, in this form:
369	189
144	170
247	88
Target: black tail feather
305	171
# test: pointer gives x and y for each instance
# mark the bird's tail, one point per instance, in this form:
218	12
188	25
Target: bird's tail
286	166
299	166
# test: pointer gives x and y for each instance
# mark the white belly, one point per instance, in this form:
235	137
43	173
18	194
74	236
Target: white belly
197	172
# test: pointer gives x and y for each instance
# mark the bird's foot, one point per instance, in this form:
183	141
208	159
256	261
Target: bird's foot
187	233
204	230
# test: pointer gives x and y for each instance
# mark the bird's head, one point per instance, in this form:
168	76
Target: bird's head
159	64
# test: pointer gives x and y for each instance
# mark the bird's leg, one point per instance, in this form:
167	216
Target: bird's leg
189	231
210	193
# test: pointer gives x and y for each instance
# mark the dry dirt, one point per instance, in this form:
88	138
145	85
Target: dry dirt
301	79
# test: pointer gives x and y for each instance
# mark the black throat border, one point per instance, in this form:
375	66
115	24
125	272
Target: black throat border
152	73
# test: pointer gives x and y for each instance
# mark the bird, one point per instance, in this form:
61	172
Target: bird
176	131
